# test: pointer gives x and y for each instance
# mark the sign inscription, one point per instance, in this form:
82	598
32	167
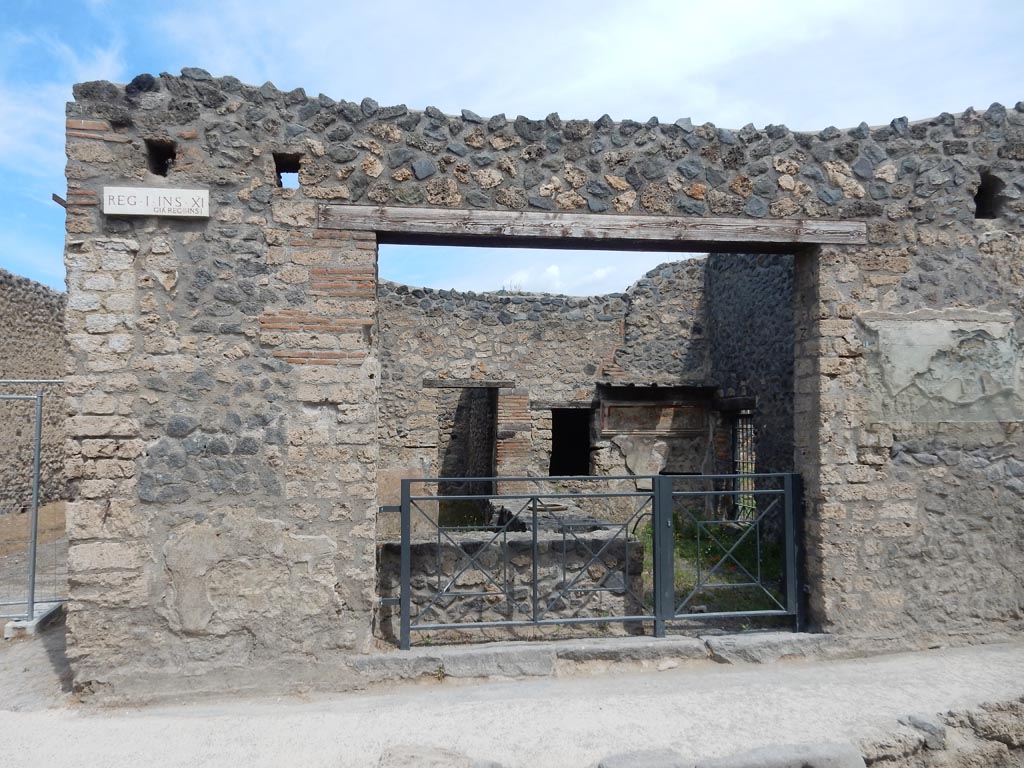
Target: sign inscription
156	201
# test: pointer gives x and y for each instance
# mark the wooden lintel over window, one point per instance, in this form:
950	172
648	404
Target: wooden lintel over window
468	383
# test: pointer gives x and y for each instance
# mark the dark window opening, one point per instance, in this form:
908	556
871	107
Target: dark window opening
570	441
286	166
160	155
988	201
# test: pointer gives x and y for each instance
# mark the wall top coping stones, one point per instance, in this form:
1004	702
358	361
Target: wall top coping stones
479	172
25	285
370	108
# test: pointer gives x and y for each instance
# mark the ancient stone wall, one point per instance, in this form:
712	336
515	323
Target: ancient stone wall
31	347
224	431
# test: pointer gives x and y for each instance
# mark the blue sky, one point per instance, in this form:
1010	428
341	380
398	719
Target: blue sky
806	64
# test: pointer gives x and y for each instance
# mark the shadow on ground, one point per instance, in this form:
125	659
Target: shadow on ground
34	671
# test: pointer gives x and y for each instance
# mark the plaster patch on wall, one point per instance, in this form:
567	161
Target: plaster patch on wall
943	366
219	585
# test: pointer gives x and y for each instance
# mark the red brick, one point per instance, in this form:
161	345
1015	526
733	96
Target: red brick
113	137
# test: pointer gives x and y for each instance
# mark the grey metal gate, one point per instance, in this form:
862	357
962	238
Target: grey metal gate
642	551
33	569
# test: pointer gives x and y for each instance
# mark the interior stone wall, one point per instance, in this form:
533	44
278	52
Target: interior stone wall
225	371
554	350
750	307
31	347
467	426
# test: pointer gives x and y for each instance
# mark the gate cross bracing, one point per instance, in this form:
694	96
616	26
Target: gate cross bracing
675	550
33	574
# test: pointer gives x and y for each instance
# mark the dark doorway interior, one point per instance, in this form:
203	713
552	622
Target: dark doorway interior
570	441
466	449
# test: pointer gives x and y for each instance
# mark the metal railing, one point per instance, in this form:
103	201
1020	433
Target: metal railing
642	551
20	551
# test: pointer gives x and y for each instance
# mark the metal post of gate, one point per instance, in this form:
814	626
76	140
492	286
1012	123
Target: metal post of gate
405	577
30	608
789	482
799	553
663	542
535	567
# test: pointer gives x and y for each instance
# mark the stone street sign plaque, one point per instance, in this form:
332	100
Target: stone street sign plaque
156	201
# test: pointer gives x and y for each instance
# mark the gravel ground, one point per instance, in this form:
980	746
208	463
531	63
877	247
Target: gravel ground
695	708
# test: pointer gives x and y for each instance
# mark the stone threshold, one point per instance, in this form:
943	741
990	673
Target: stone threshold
516	659
478	662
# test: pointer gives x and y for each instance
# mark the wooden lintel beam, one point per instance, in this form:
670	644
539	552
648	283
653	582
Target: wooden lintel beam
665	230
468	384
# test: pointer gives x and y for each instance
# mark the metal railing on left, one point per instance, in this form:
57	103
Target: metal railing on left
33	552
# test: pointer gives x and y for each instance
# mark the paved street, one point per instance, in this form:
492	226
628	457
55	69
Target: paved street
697	708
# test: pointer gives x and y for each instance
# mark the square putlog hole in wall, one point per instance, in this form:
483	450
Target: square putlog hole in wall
286	166
160	155
988	200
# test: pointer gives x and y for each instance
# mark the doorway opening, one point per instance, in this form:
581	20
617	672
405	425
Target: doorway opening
570	441
467	420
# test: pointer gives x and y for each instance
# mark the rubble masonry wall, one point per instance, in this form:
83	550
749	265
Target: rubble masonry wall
226	371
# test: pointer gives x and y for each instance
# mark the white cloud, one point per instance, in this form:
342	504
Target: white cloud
635	60
603	275
32	111
103	62
32	101
802	62
576	273
551	277
32	128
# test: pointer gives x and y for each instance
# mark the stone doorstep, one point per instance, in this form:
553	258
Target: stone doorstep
495	661
44	614
812	755
514	659
767	647
820	755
